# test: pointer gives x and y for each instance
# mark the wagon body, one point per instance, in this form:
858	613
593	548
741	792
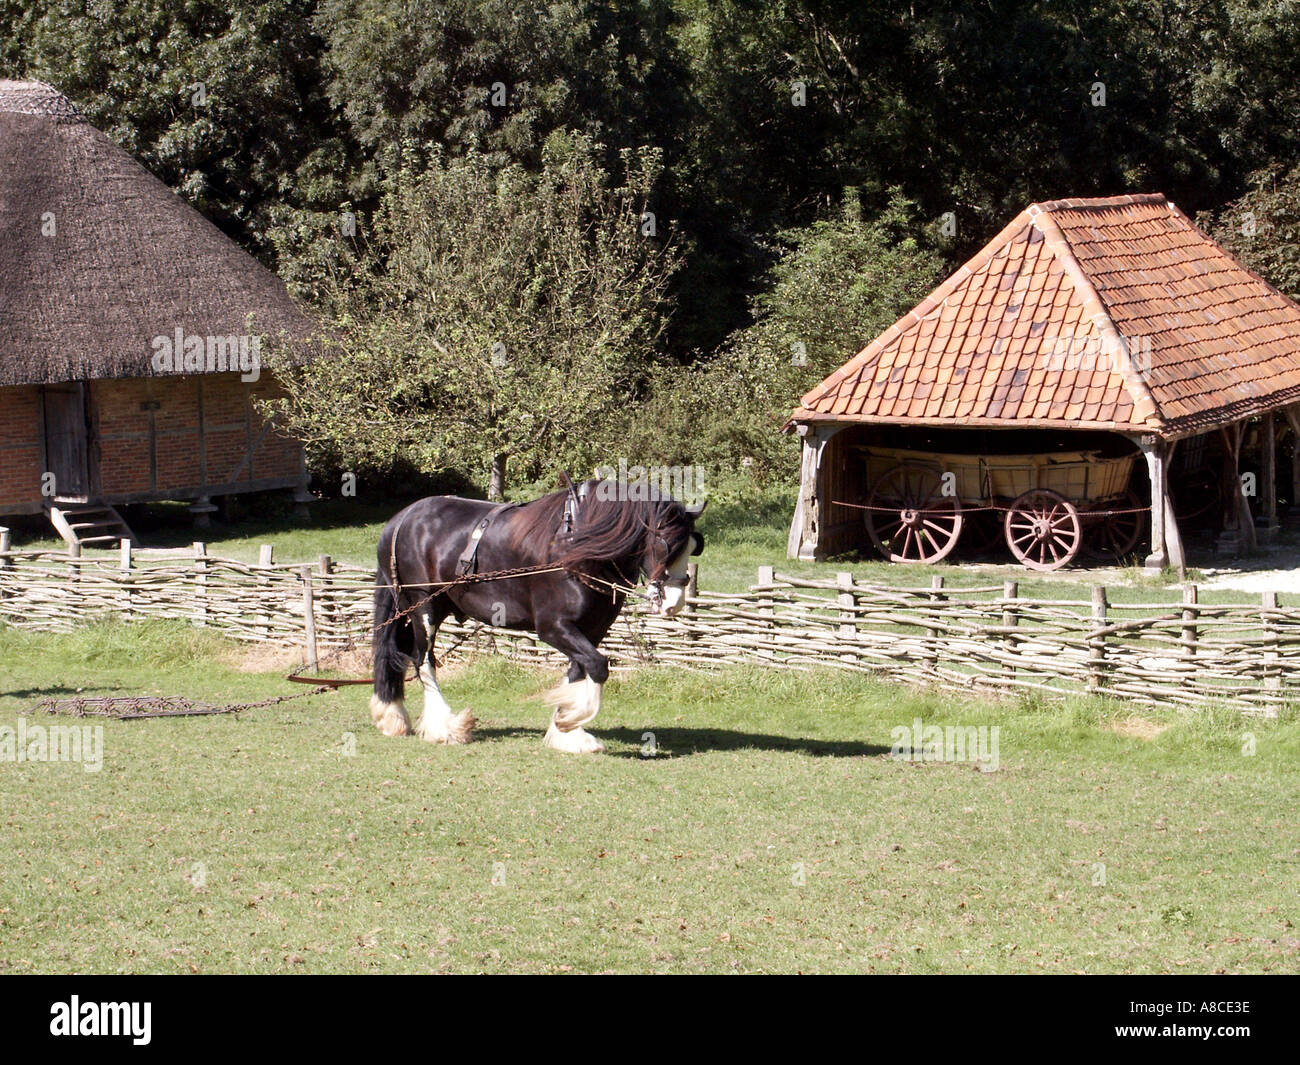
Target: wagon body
1047	501
1080	476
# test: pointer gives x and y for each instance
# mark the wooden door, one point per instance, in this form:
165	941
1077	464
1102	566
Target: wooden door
66	451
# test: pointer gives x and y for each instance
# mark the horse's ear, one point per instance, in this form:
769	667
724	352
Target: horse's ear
696	509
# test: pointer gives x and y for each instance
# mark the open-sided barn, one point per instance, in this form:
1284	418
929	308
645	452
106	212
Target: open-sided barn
130	334
1088	331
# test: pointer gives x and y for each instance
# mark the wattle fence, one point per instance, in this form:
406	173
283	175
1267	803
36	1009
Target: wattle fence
987	639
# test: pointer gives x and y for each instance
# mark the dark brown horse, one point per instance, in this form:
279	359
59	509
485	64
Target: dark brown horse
584	548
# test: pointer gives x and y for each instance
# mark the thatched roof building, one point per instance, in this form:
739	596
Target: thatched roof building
127	322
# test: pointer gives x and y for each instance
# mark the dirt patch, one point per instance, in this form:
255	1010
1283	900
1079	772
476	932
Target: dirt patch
1138	728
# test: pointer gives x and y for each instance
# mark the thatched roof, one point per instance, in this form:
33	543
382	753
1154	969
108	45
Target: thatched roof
128	260
1096	314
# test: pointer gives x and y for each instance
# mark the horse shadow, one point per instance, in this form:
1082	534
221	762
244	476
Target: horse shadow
684	742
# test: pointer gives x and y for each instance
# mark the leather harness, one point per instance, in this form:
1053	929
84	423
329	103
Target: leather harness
468	560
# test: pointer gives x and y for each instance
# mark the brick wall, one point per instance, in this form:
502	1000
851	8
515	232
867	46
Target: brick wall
148	439
20	448
184	457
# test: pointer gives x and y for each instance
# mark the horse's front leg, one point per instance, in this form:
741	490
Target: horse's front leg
437	724
577	701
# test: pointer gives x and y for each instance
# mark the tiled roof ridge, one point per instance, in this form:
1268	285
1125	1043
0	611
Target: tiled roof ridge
1145	408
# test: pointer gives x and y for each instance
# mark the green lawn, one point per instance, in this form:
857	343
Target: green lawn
772	832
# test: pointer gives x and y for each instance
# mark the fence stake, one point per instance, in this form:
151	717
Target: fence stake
931	661
74	560
308	616
265	556
848	601
201	583
329	609
1010	619
6	563
1189	621
692	593
1272	676
125	567
1097	651
767	607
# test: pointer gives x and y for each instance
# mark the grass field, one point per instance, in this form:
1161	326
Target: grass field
772	831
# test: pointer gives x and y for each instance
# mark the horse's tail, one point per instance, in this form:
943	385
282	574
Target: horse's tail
390	642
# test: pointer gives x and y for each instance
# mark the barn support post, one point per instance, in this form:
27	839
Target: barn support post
1166	543
806	525
1239	524
1292	414
1268	475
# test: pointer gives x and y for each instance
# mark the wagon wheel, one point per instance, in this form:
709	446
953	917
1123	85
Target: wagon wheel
1114	535
909	518
1043	529
1198	494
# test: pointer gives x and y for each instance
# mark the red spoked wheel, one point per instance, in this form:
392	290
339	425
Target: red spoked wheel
909	518
1115	531
1043	529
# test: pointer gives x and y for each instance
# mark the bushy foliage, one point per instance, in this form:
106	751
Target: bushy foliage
835	285
487	316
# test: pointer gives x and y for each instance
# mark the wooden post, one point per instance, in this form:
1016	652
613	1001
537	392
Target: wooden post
200	583
1158	473
1097	651
1189	621
1272	676
328	609
265	557
1268	474
74	560
124	566
931	660
308	617
767	607
692	593
848	603
6	563
1010	619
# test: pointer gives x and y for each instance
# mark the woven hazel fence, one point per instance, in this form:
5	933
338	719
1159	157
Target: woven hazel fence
987	639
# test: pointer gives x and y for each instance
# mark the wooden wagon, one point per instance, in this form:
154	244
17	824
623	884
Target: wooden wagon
1051	505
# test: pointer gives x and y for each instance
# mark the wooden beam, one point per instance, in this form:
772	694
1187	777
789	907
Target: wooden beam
1268	489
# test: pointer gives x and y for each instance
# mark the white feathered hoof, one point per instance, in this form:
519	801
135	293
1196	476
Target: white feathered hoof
389	718
446	728
568	696
575	741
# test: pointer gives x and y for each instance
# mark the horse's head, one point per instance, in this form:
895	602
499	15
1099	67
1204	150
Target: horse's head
671	540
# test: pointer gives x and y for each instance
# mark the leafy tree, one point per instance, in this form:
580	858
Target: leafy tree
834	287
496	317
1261	228
223	101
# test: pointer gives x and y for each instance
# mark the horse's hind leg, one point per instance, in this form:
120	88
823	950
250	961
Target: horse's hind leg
437	724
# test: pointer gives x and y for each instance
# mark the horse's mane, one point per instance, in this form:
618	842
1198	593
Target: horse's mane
605	530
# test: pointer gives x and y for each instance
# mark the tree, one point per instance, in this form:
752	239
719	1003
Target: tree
1261	227
495	317
835	285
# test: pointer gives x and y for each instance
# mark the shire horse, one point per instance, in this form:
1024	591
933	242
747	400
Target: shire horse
585	549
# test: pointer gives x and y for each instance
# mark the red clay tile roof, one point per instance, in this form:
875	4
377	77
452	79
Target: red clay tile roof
1101	314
